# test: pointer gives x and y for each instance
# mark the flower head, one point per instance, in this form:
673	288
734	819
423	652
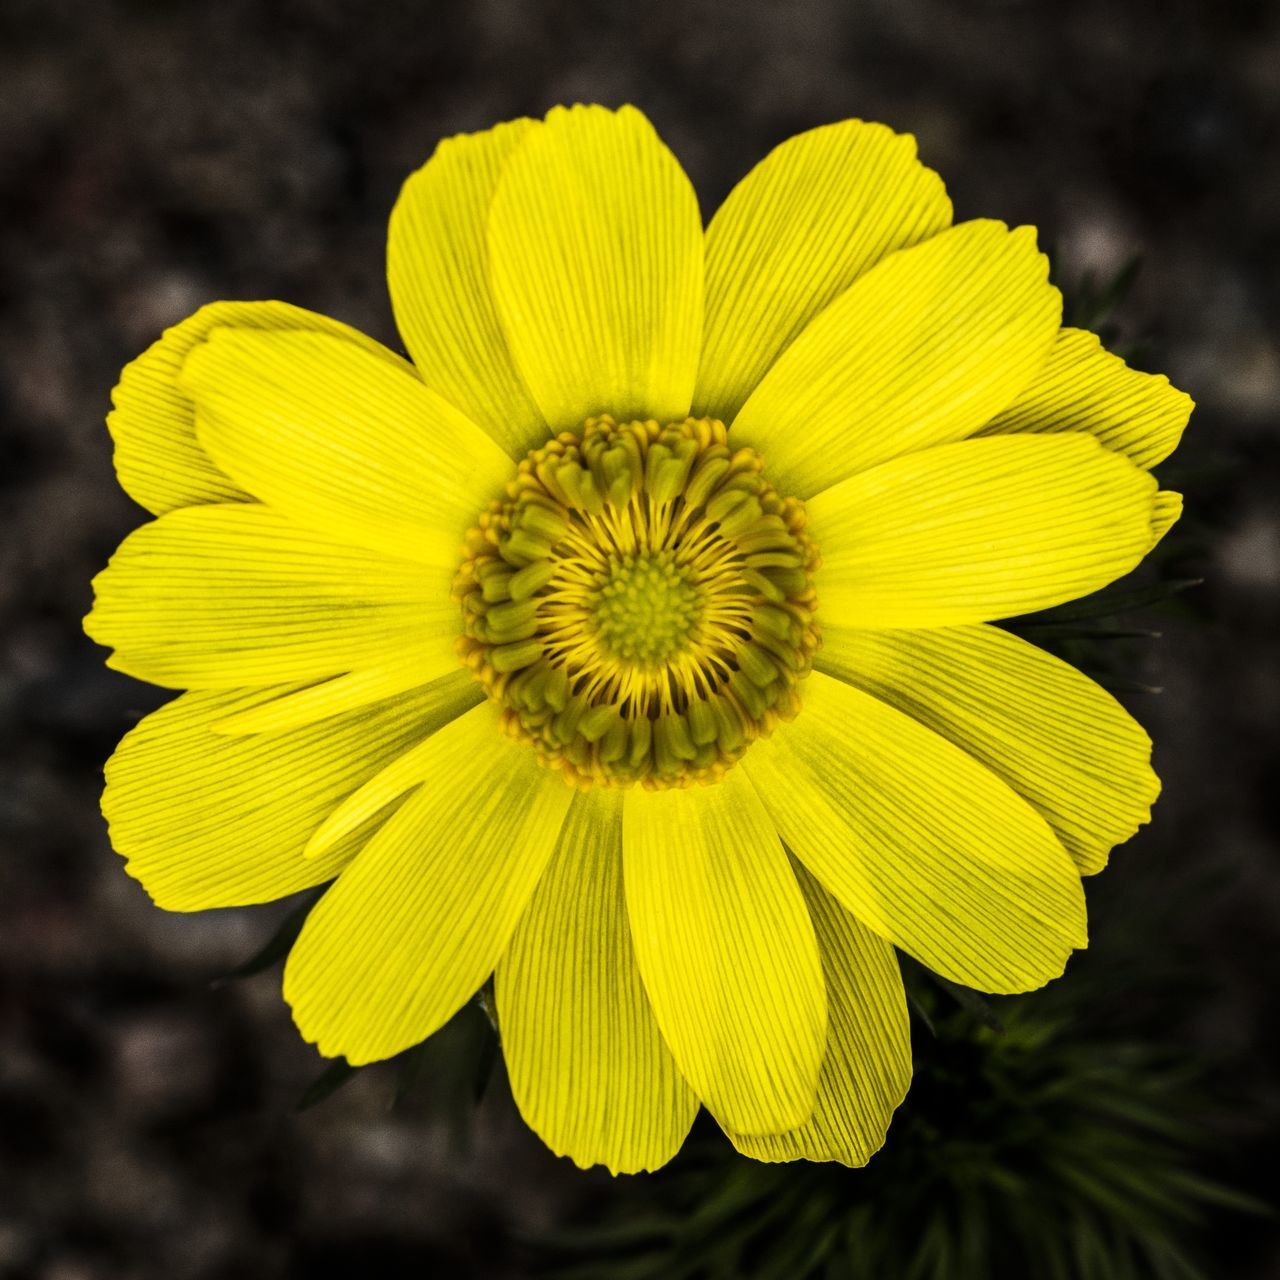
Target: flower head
633	644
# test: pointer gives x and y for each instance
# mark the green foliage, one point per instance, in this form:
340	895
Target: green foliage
1025	1148
277	945
1095	633
447	1074
1091	303
337	1073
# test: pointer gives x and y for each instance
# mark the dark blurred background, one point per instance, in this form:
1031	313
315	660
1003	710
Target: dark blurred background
157	155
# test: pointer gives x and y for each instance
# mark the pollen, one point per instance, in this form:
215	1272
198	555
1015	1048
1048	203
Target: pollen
640	603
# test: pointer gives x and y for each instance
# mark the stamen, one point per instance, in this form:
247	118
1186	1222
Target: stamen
640	603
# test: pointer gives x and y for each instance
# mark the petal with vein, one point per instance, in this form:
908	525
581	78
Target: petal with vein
344	442
346	692
867	1066
206	820
1168	511
419	920
402	774
924	348
595	247
924	845
438	273
1060	741
588	1065
1083	387
158	459
978	530
726	950
237	594
794	234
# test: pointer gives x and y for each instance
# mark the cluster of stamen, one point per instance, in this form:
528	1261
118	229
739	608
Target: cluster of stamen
640	603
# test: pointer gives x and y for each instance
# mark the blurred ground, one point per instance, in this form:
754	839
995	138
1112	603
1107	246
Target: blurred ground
154	156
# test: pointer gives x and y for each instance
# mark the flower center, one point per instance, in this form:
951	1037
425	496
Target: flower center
640	603
646	609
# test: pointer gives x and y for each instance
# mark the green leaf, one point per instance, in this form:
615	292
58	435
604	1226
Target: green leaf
338	1073
1091	304
450	1070
1123	684
1039	631
1110	602
1053	1150
278	944
970	1001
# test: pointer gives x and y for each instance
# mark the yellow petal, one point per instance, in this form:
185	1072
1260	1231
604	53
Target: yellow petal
341	693
402	774
867	1066
1060	741
924	348
979	530
1168	511
726	950
344	442
596	260
588	1066
794	234
158	459
919	841
417	922
1083	387
237	594
205	820
438	272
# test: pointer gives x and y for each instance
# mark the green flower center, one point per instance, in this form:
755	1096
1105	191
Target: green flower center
645	610
640	603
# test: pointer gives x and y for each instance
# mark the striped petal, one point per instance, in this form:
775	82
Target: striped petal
596	258
344	442
347	692
407	771
438	273
978	530
588	1066
1083	387
924	348
866	1069
237	594
795	233
1168	511
204	820
726	950
417	922
1060	741
919	841
159	461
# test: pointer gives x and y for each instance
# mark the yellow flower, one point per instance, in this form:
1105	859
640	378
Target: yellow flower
717	523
